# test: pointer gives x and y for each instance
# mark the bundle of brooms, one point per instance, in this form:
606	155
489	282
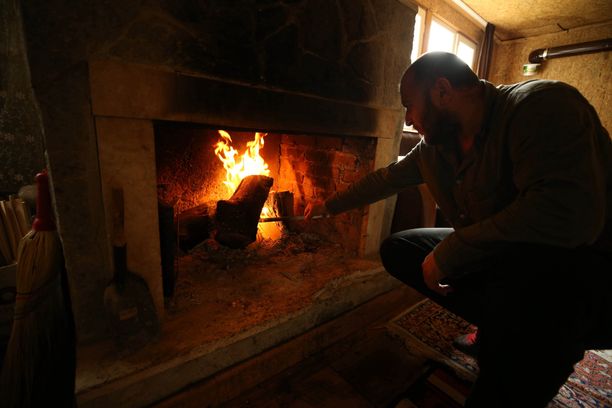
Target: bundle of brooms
40	362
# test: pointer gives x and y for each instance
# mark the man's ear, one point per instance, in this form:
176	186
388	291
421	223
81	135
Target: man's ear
441	92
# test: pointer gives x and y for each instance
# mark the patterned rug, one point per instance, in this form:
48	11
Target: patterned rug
429	329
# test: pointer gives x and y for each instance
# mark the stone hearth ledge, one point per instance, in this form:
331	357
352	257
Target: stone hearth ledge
174	361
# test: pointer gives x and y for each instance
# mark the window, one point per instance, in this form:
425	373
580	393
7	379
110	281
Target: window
440	38
432	34
466	50
417	40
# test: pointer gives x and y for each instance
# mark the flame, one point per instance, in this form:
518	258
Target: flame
238	166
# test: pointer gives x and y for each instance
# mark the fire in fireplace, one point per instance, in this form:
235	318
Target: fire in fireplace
200	167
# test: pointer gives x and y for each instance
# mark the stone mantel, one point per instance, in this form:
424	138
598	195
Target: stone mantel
136	91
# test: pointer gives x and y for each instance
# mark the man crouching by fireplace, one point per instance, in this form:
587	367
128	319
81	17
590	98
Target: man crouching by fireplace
523	173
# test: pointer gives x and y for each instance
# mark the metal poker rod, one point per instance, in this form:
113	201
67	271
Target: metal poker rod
292	218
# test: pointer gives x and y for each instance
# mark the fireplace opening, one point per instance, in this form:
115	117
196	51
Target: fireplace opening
289	261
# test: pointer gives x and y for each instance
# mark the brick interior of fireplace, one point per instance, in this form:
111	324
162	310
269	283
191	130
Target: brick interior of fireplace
280	271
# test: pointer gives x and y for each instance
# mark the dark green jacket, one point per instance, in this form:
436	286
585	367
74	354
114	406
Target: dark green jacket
540	172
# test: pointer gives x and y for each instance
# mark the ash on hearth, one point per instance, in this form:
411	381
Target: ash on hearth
213	273
265	250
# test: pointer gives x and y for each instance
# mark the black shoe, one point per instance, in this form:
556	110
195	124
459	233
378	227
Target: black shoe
468	344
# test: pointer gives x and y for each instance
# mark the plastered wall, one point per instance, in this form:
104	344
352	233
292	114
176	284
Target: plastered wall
589	73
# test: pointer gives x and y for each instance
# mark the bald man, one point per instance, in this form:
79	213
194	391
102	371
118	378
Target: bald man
523	173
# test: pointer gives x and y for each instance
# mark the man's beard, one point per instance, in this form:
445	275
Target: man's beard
440	127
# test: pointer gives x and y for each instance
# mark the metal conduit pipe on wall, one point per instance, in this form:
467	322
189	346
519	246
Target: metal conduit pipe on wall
542	54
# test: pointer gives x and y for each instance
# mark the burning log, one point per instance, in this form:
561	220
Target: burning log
237	218
281	204
198	223
167	244
195	225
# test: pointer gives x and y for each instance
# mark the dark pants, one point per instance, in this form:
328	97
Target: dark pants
538	308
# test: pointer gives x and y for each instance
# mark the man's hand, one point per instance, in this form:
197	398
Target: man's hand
316	207
432	276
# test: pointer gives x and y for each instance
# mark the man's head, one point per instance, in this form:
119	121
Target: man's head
429	89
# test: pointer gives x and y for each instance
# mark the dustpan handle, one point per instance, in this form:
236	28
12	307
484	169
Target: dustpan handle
44	211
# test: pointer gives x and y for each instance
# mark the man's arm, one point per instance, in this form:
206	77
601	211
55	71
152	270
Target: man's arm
379	184
561	184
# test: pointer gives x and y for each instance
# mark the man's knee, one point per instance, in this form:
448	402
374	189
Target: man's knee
412	245
388	255
401	258
388	250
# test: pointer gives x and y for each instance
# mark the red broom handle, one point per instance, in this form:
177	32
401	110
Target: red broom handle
44	211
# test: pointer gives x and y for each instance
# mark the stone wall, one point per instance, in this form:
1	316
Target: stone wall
345	50
342	49
591	74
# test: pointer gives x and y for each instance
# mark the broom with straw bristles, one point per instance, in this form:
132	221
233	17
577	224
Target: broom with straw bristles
39	367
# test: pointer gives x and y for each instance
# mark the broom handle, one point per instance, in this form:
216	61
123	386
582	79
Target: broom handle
44	211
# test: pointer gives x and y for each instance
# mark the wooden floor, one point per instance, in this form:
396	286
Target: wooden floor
369	367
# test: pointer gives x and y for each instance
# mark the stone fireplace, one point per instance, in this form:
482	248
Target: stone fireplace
141	78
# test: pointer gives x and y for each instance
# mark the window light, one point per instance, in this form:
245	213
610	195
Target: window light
440	38
418	34
466	51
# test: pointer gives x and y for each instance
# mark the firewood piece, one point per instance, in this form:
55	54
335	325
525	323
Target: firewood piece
195	225
167	245
237	218
281	204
